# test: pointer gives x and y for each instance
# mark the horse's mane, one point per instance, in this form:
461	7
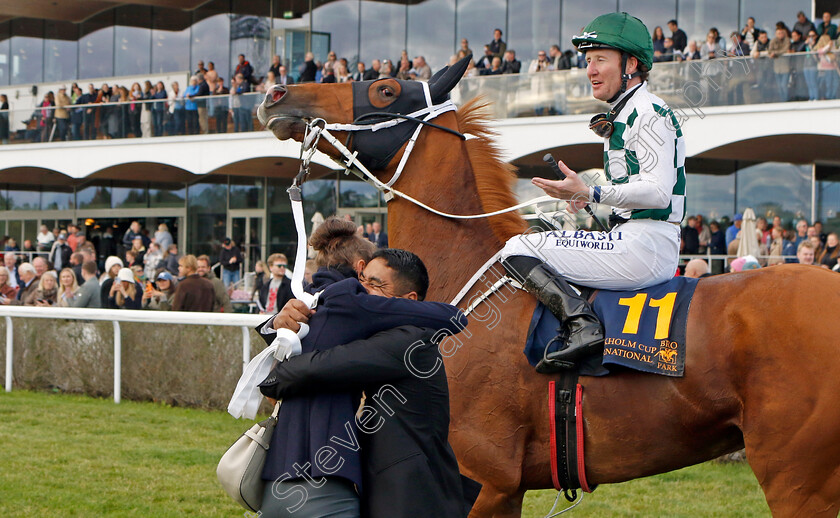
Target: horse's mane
494	178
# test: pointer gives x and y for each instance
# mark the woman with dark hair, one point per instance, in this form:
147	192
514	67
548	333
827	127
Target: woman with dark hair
347	310
658	41
4	119
828	255
47	116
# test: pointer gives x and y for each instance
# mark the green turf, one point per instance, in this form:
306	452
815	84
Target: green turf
63	455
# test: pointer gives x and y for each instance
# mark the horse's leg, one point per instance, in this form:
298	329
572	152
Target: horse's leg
497	504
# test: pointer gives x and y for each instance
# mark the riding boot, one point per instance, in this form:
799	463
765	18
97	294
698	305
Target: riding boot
582	330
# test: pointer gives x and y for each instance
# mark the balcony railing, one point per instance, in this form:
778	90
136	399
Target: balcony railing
688	87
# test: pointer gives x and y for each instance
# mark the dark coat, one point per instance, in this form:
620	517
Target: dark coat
381	241
226	255
193	293
345	312
65	252
409	465
284	293
370	75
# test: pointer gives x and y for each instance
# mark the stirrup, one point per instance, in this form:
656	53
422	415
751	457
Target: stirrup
550	365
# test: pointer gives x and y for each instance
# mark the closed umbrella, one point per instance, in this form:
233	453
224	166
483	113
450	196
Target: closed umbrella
748	244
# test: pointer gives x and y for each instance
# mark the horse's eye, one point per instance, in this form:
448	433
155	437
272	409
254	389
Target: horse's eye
386	91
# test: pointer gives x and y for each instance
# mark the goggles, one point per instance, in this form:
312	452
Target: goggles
603	123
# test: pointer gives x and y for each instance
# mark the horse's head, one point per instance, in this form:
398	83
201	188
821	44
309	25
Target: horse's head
287	110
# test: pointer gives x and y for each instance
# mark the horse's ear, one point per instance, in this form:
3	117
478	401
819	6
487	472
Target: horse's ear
445	80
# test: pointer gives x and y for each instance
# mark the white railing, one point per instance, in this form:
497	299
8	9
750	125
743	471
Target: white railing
245	321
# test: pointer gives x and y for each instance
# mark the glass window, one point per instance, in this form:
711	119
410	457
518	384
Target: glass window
696	17
250	31
775	189
97	196
207	214
30	232
96	46
5	50
712	195
128	195
768	12
281	233
654	12
170	40
336	17
61	51
27	51
24	198
133	37
577	14
246	193
167	195
828	197
383	31
57	198
318	196
356	193
533	26
431	31
476	21
15	230
211	36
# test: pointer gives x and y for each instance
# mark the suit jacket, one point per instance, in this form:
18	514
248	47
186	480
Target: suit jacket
193	293
370	75
381	241
408	464
26	294
88	295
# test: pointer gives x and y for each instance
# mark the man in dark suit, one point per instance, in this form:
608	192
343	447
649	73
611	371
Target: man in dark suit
283	77
377	237
408	463
373	72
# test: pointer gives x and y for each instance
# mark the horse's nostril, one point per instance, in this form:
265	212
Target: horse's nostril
277	94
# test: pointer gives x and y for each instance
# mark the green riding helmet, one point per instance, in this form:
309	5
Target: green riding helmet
618	31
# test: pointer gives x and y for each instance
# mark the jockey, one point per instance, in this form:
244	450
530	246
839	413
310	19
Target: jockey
644	163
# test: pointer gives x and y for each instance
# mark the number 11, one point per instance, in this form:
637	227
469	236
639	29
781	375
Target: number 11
634	314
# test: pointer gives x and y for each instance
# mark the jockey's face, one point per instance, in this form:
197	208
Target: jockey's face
604	72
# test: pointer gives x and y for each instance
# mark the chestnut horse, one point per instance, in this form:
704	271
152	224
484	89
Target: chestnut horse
762	364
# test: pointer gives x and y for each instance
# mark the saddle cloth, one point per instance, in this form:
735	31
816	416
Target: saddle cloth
644	330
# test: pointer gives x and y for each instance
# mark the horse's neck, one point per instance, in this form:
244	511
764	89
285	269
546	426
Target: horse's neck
452	250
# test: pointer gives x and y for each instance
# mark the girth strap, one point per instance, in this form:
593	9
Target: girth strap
567	463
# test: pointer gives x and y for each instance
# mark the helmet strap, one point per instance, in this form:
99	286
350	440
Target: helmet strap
624	77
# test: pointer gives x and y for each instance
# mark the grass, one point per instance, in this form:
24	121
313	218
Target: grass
64	455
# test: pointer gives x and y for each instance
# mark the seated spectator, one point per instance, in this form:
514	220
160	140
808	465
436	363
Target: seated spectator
373	72
274	293
67	288
495	68
668	53
385	69
818	247
422	71
328	73
126	293
113	265
696	268
342	75
711	49
404	69
221	297
359	74
828	256
7	291
270	80
45	239
193	293
510	65
486	60
806	252
541	64
47	292
692	53
160	297
88	295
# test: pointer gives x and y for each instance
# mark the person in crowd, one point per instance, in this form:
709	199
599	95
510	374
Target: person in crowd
761	45
61	252
88	294
277	290
465	47
385	69
8	293
404	69
806	252
734	229
10	262
170	260
710	48
377	236
828	256
678	36
827	68
199	69
76	260
359	74
818	228
221	297
777	247
68	288
4	119
692	52
139	248
62	114
495	68
230	258
497	45
810	66
825	27
152	260
739	46
200	99
690	238
270	80
704	234
28	285
113	265
374	70
238	104
193	292
486	60
158	108
275	65
779	46
658	37
803	24
46	294
245	68
41	266
160	297
342	74
750	32
190	106
47	116
797	42
177	110
422	71
308	69
220	107
328	73
541	64
45	239
131	258
11	245
163	237
310	269
146	123
510	65
696	268
135	110
126	292
88	112
260	272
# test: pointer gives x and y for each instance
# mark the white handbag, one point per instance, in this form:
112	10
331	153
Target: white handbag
240	468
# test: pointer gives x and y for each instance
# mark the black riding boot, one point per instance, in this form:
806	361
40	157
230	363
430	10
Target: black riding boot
582	330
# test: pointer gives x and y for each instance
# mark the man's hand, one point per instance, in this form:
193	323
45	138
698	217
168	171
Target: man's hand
573	187
293	312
